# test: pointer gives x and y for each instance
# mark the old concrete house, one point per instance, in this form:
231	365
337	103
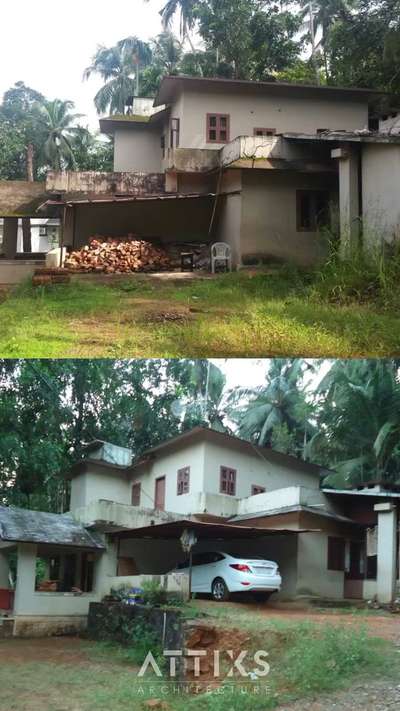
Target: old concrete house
271	168
126	519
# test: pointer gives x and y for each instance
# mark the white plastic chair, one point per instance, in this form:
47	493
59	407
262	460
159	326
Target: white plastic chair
221	252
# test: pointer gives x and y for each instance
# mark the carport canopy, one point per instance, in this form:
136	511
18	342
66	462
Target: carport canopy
173	530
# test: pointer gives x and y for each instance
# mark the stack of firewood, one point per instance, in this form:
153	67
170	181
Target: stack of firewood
118	256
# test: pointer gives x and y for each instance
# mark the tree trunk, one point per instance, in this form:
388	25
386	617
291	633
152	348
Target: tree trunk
29	163
26	234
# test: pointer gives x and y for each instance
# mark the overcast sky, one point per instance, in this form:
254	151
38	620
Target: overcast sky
48	45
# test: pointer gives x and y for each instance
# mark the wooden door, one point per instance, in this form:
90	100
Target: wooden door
159	495
353	581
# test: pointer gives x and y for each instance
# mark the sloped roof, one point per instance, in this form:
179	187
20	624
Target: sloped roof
170	85
206	433
25	526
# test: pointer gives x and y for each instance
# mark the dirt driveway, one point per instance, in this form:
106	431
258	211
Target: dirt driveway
385	625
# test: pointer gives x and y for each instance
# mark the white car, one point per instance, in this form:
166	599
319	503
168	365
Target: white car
220	574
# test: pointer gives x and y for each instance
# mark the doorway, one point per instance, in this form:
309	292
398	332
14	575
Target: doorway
159	495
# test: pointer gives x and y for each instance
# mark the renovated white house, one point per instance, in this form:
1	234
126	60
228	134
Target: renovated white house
126	519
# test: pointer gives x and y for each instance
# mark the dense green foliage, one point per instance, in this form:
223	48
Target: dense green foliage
349	420
354	42
37	134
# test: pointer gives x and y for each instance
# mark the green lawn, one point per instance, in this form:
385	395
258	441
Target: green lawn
238	314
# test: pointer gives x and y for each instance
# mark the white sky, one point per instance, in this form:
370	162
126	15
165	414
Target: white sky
48	45
250	372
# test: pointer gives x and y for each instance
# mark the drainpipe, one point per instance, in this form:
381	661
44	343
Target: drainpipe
214	210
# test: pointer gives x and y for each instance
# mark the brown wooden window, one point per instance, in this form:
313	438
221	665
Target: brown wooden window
227	481
183	481
255	489
136	494
264	131
312	207
175	131
218	128
336	553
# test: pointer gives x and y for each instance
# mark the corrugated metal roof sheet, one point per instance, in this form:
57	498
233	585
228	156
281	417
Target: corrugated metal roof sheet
23	525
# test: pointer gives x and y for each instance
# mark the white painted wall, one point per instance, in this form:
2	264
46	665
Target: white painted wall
381	192
95	485
252	469
137	149
248	111
167	465
287	496
204	460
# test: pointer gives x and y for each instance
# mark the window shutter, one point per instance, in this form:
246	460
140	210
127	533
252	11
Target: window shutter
136	494
228	481
183	481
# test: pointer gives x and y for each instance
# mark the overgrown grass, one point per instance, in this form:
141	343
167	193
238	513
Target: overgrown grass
304	658
346	309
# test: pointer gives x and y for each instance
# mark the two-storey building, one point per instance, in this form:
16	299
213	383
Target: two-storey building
127	516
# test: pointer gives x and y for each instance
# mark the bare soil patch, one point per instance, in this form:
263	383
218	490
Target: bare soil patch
56	650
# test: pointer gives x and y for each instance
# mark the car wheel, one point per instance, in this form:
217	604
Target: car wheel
262	596
219	590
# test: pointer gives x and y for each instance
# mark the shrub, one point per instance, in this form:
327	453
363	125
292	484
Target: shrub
320	659
363	276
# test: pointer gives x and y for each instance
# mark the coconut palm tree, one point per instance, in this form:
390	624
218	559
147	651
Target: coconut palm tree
167	52
187	19
359	421
55	123
278	405
319	17
119	67
186	9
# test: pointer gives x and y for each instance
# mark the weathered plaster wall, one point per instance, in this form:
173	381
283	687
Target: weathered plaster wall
171	220
313	576
13	272
79	184
269	216
29	603
249	111
229	223
20	198
380	196
138	149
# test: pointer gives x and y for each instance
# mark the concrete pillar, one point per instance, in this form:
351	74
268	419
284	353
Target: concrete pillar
349	198
4	571
387	554
26	575
105	568
10	235
171	182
